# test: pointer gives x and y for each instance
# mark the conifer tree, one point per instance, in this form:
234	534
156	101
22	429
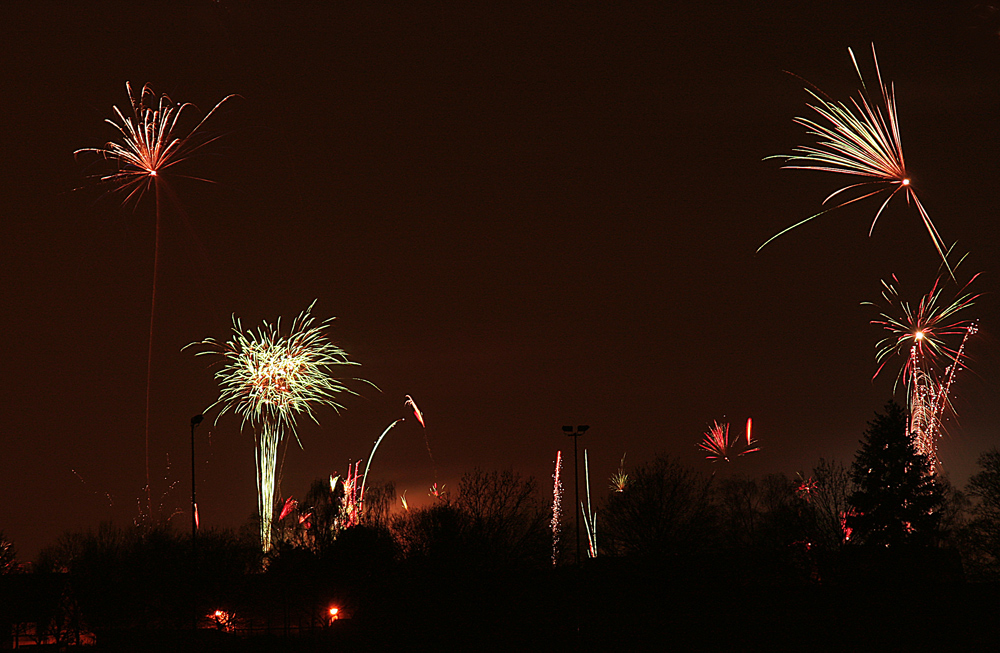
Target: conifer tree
897	500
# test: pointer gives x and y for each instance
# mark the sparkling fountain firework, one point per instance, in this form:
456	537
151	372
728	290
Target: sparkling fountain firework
619	480
270	379
557	491
152	140
926	337
859	140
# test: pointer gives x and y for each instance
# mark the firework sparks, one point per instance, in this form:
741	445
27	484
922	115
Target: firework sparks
806	487
420	418
556	523
860	140
719	446
350	503
928	327
436	492
716	443
619	480
416	411
751	443
270	379
290	505
589	518
926	334
369	463
153	139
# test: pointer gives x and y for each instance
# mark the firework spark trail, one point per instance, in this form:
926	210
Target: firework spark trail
269	379
861	141
924	333
416	411
929	398
589	518
556	522
290	505
719	447
107	495
420	418
151	142
751	443
364	479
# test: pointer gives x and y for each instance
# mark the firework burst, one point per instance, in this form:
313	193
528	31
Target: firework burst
720	447
930	337
619	480
153	139
270	379
862	140
805	487
927	327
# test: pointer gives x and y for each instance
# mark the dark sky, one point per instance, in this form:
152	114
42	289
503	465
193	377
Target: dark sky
524	215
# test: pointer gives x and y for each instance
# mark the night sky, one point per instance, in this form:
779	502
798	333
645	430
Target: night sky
524	215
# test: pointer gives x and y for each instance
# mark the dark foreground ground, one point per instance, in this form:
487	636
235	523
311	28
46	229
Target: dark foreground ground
695	604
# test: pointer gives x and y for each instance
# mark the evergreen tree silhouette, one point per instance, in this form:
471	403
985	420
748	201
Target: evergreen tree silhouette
897	500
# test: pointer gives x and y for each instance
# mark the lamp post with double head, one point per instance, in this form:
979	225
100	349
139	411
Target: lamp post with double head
576	433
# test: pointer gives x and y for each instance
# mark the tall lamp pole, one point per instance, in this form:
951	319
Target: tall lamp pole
580	430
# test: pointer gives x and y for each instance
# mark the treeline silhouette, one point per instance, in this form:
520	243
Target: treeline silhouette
881	555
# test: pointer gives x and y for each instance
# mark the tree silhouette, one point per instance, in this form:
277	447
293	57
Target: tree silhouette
829	503
496	521
897	500
982	534
666	509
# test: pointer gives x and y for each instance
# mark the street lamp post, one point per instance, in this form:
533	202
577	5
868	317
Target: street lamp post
580	430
